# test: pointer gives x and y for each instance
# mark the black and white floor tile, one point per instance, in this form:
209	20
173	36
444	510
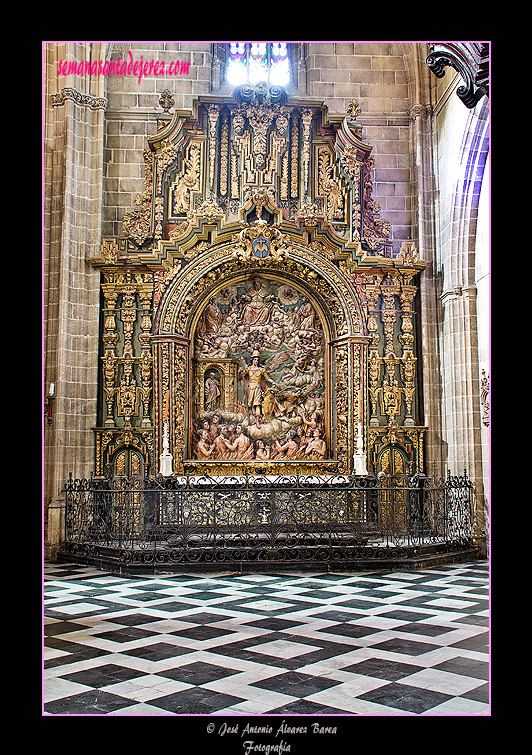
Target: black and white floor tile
275	644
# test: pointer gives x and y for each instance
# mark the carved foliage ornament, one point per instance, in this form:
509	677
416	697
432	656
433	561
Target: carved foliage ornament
484	398
137	223
86	100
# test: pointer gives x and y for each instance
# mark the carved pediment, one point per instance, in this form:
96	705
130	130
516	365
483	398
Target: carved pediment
256	155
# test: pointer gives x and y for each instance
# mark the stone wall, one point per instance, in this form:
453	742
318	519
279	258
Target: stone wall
73	173
336	73
374	74
132	114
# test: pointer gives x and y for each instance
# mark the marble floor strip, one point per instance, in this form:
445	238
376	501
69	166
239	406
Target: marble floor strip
277	644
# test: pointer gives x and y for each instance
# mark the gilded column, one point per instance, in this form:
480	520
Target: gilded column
171	378
374	360
341	386
214	114
180	402
406	338
224	156
127	391
390	392
110	358
306	117
294	158
146	358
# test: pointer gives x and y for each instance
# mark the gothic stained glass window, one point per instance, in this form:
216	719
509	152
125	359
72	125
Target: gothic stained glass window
254	62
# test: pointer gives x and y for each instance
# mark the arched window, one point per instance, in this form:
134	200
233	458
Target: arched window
254	62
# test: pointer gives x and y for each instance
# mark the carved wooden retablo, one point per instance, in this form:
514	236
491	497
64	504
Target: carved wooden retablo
254	304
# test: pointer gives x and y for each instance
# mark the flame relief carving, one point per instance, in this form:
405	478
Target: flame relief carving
188	182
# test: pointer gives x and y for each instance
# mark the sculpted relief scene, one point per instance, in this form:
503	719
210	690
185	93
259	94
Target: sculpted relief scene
260	375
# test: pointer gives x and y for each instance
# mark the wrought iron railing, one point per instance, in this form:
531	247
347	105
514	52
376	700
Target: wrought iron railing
184	520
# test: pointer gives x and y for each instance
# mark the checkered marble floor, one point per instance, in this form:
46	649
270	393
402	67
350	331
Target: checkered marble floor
281	644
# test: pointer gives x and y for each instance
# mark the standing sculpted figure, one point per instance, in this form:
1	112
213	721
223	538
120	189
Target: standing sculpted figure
256	381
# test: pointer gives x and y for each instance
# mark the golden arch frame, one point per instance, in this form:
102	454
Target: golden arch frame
340	312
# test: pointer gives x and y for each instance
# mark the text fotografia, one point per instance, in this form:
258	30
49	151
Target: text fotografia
121	67
251	746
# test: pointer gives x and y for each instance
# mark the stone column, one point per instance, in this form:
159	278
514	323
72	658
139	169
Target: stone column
73	164
461	339
424	208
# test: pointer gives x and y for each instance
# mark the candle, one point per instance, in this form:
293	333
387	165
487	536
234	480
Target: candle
166	407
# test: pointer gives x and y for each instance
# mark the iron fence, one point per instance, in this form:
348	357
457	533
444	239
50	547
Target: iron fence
260	519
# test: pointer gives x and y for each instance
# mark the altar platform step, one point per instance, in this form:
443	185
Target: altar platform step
143	561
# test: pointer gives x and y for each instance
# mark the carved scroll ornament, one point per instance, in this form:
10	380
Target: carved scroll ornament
470	60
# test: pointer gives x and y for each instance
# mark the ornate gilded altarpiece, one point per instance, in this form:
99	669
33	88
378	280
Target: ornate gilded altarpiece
254	315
